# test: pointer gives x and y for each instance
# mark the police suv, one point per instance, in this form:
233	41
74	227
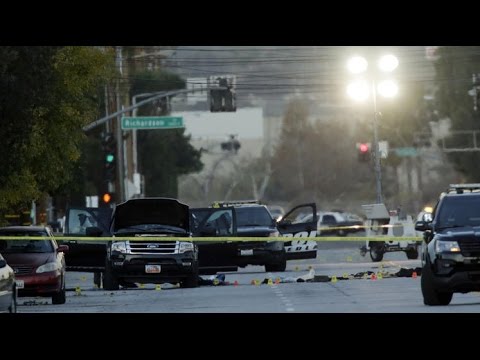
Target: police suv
451	247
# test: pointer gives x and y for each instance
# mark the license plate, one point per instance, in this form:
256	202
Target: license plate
246	252
153	269
20	284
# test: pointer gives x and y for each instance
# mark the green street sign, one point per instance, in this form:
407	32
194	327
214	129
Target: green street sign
152	122
406	151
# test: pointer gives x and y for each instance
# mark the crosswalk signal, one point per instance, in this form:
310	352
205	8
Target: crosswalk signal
364	150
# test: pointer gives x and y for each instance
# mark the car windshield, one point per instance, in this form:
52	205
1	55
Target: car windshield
459	211
25	245
253	216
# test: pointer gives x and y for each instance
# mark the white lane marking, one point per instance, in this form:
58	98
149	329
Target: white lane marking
278	291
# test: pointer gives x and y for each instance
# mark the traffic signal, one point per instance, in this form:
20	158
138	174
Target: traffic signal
109	145
223	100
364	150
231	145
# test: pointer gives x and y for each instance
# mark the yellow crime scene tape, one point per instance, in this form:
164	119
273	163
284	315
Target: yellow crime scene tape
217	239
319	237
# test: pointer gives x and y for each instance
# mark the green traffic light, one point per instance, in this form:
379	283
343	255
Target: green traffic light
109	158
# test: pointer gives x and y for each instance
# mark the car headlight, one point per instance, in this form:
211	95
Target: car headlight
48	267
446	246
274	234
120	246
185	246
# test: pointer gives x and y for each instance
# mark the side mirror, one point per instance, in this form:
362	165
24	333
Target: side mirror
3	263
62	248
422	226
93	231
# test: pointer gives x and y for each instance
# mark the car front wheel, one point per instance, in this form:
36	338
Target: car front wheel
431	296
13	305
60	297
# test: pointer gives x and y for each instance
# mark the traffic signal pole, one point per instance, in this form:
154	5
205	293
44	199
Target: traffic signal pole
120	151
101	121
376	152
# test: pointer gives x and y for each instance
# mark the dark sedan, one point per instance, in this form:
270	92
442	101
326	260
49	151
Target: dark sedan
8	290
38	264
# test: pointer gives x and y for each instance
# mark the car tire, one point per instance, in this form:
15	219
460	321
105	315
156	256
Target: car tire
110	280
277	267
431	296
412	254
191	281
97	279
60	297
376	251
13	305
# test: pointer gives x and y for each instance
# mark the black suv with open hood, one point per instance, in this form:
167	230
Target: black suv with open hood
136	257
451	248
147	261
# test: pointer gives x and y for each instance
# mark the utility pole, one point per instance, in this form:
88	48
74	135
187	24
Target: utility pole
120	164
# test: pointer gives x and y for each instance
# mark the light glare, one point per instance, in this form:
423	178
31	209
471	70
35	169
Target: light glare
388	63
357	65
358	90
387	88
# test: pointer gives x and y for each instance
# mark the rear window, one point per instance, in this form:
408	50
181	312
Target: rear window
253	216
25	245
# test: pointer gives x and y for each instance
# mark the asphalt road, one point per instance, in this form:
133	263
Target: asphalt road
388	295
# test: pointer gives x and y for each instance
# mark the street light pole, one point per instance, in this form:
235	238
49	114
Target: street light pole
376	152
359	90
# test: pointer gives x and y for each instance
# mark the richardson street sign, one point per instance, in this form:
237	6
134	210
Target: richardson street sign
406	151
152	122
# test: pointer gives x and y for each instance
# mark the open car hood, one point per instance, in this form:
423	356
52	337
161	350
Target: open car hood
158	211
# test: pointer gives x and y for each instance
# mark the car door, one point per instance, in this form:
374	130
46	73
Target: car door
87	255
300	222
215	222
6	285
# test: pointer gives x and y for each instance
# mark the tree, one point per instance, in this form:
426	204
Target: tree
163	154
47	94
454	69
313	160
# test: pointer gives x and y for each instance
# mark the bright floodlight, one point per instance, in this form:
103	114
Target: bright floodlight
387	88
388	63
357	65
358	90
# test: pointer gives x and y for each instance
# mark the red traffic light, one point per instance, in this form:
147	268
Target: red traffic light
364	148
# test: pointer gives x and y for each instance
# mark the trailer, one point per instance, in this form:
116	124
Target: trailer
392	226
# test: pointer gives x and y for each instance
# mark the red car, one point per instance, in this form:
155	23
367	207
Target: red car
39	265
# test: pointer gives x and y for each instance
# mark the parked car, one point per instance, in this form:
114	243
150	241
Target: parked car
8	289
341	223
38	264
